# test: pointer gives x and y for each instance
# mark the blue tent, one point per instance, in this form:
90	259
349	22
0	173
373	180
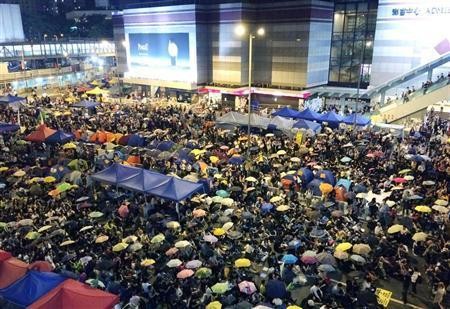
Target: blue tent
345	183
308	125
359	119
135	140
176	189
309	114
86	104
314	186
306	175
332	119
59	137
326	176
286	112
31	287
116	173
144	181
8	127
12	101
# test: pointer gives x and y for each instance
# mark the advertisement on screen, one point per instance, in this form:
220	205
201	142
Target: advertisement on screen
159	54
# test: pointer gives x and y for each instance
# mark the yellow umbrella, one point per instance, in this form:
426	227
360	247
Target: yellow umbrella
147	262
96	91
66	243
343	247
276	199
420	236
32	235
44	228
214	159
158	239
197	152
441	202
341	255
242	263
120	247
130	239
251	179
295	159
182	244
293	307
69	146
49	179
214	305
19	173
283	208
3	169
101	239
422	208
395	228
57	114
173	225
325	188
35	179
281	152
219	231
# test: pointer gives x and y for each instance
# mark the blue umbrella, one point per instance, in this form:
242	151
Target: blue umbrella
345	183
266	207
236	160
289	259
415	197
296	243
358	188
59	137
165	145
222	193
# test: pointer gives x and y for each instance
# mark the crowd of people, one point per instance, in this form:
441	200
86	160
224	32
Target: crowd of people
259	234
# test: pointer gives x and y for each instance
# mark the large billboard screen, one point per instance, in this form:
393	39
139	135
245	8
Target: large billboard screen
160	55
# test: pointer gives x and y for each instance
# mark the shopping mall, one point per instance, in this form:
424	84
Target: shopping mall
329	48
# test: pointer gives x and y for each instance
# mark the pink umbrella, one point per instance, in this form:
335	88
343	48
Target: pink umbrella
399	180
309	259
197	213
171	251
123	211
247	287
185	273
210	238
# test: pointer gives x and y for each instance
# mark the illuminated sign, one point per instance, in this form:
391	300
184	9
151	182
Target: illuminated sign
420	11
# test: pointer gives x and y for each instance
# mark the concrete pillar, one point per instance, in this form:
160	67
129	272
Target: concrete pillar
430	74
382	97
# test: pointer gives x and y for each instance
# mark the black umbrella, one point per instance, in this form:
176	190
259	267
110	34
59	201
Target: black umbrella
275	289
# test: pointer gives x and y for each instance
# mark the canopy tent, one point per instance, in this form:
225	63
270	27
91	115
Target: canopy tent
326	176
314	187
286	112
238	119
344	183
176	189
308	125
306	175
11	270
357	119
280	123
144	181
97	91
86	104
72	294
40	135
31	287
395	129
309	114
12	101
332	119
59	137
116	173
136	140
8	127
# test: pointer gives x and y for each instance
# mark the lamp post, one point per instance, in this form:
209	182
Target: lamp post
240	31
360	76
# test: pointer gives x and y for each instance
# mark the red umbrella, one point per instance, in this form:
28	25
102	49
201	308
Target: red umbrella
40	135
123	211
399	180
42	266
185	273
309	260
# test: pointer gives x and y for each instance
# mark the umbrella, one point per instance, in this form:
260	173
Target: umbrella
283	208
357	258
101	239
69	146
210	238
227	226
96	214
32	235
362	249
428	183
194	264
346	160
214	305
174	263
415	197
325	188
281	152
222	193
227	201
234	234
341	255
423	208
343	246
247	287
220	287
251	179
395	229
45	228
440	209
66	243
219	231
147	262
49	179
86	228
172	251
95	283
85	259
123	211
276	199
326	268
337	213
289	259
405	171
158	239
326	258
19	173
130	239
309	260
135	247
275	289
25	222
203	272
266	207
197	213
295	243
185	273
420	236
242	262
399	180
120	247
173	224
182	244
441	202
409	177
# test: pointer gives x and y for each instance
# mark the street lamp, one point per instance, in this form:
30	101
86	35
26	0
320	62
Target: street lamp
360	76
240	30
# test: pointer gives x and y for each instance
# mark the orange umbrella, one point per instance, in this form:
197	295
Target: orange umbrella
325	188
93	137
203	166
117	136
77	134
134	160
110	137
101	137
54	193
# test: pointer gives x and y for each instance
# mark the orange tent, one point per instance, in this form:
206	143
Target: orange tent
340	194
40	135
110	137
11	270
